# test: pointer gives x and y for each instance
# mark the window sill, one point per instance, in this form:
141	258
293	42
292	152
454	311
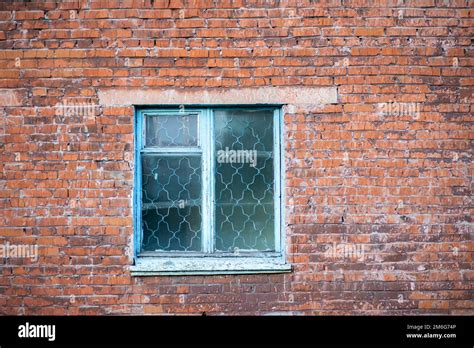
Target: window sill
152	266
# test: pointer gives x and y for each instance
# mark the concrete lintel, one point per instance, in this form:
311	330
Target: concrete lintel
297	95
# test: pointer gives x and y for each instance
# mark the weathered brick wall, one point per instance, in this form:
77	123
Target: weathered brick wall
378	186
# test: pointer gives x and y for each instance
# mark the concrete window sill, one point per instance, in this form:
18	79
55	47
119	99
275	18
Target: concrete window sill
153	266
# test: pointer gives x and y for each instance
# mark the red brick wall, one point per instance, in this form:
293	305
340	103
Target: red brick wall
360	173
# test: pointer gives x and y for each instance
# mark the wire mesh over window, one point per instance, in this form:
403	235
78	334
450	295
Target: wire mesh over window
171	186
171	207
207	181
244	185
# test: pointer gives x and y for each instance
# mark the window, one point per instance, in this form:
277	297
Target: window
207	191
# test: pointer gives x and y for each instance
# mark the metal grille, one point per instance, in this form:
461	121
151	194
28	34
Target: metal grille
171	202
244	182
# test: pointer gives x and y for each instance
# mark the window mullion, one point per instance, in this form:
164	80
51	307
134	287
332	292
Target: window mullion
206	186
212	176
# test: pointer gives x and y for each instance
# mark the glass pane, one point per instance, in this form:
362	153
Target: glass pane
171	203
244	185
171	130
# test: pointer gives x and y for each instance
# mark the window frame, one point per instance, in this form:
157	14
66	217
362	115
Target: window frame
207	261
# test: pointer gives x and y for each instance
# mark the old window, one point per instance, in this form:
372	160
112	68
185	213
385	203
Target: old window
208	191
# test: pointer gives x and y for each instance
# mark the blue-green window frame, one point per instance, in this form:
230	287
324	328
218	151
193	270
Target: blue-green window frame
207	262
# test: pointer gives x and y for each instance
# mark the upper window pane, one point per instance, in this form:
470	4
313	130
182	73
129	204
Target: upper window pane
171	130
244	181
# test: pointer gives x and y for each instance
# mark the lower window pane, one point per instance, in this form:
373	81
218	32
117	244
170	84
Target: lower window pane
244	185
171	203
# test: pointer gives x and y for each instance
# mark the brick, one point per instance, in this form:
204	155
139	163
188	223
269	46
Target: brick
369	31
377	103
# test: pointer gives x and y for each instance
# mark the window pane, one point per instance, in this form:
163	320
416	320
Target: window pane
171	130
171	202
244	185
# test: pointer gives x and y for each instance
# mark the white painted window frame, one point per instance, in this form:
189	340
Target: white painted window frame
207	262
